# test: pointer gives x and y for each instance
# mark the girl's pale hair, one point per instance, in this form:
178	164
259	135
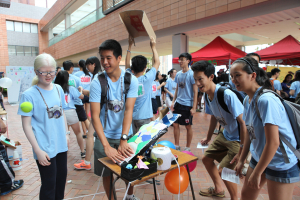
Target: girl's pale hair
42	60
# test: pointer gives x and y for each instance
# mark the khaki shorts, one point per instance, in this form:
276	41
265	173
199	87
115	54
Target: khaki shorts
100	153
71	116
223	151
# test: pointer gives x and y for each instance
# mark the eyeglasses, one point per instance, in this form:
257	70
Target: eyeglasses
52	73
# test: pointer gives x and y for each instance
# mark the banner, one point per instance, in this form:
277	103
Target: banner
283	71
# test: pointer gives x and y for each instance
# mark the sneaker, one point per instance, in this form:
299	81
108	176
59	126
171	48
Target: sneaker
187	149
17	184
133	198
211	192
82	165
177	148
82	154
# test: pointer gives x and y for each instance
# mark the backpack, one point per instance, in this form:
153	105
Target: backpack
272	83
104	88
297	99
220	97
293	112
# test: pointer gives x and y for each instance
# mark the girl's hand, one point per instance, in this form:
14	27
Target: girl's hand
254	181
238	168
43	158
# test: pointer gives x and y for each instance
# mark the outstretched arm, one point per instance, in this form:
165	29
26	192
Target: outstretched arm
128	54
155	54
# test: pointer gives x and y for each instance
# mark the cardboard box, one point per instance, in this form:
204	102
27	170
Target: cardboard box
137	23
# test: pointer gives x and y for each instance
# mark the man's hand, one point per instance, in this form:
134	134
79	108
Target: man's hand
193	111
152	42
238	168
43	158
130	40
172	107
125	149
113	154
205	141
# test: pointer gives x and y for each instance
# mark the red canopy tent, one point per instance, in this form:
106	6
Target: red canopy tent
287	50
217	50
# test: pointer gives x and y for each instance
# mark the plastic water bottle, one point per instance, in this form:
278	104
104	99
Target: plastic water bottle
16	163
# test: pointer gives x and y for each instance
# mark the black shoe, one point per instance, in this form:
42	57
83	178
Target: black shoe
17	184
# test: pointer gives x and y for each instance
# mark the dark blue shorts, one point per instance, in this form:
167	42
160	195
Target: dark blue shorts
286	176
85	99
154	106
186	118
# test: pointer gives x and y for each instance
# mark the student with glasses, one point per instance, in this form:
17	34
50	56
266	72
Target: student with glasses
45	127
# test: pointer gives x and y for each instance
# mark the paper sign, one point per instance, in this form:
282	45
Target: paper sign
229	175
137	23
200	146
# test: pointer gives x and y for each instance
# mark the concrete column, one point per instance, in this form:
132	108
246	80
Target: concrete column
180	44
67	21
50	33
241	47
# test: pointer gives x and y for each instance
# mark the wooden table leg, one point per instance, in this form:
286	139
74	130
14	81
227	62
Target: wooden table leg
191	184
154	186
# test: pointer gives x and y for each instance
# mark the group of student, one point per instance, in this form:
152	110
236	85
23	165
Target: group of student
119	104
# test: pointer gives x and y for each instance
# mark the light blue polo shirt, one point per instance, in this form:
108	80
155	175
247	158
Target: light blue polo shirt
50	134
272	112
295	86
276	84
185	96
235	107
70	97
143	101
75	82
241	92
84	79
114	121
171	86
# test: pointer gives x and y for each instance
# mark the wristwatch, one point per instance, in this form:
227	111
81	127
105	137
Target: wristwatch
124	137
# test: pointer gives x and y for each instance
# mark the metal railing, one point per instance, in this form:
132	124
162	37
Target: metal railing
87	20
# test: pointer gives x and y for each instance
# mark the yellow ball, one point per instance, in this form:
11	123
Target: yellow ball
26	106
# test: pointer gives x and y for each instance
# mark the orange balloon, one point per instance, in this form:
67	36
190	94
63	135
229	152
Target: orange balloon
172	180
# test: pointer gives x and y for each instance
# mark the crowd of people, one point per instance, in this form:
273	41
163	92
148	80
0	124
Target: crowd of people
119	101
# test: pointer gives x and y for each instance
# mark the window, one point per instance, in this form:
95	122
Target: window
10	26
27	51
34	28
18	26
20	50
35	51
11	50
26	27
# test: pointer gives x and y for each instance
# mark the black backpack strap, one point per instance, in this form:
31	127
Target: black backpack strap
220	96
127	81
104	88
282	149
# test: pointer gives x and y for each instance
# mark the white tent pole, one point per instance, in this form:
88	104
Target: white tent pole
229	65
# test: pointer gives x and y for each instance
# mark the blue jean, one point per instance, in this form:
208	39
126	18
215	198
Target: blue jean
286	176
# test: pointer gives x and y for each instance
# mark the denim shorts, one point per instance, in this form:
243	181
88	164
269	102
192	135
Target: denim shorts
286	176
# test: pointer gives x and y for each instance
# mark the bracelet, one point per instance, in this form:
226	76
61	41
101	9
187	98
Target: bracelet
128	51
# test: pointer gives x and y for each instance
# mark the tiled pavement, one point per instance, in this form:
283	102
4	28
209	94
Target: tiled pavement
84	183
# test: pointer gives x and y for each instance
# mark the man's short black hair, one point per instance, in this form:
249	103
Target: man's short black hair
113	46
269	74
274	71
254	54
138	63
204	66
186	55
67	65
57	68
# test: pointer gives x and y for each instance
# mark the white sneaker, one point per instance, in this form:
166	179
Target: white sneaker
187	149
177	148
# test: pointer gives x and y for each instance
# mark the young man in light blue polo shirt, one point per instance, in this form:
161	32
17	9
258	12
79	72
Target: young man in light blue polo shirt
226	146
112	122
185	100
141	112
276	83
